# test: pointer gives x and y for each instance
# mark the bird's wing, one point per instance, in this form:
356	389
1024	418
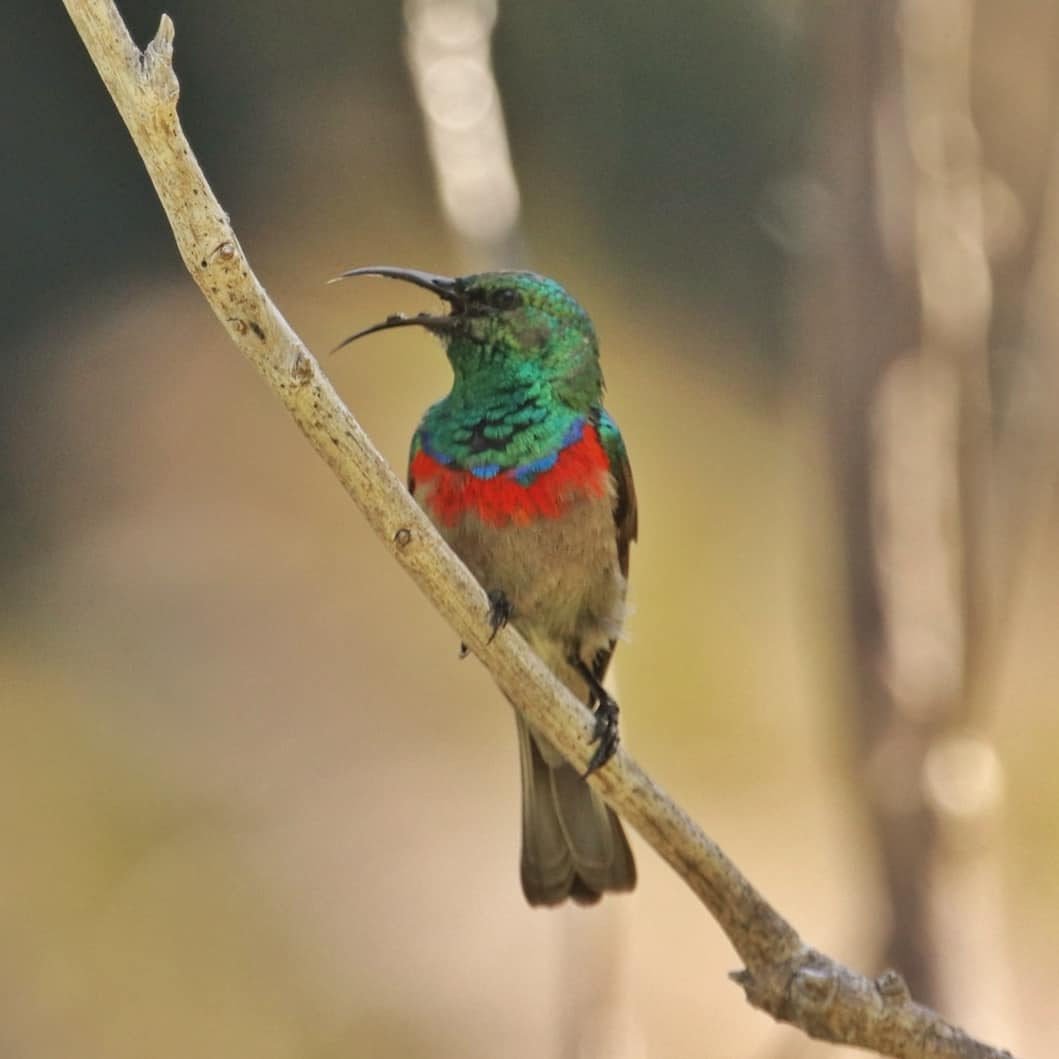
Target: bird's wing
625	524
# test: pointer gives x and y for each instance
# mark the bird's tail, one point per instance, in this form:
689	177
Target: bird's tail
572	843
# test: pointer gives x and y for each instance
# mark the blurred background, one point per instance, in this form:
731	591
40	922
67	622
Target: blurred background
252	804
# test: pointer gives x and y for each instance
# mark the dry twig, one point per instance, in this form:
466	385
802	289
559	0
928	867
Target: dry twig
783	976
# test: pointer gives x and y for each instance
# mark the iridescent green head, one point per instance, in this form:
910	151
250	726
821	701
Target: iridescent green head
507	329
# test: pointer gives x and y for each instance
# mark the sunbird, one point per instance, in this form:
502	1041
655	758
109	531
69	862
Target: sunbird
526	477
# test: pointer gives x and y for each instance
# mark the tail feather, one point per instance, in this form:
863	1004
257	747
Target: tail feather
573	845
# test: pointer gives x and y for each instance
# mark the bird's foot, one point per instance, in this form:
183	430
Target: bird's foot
499	612
605	734
464	650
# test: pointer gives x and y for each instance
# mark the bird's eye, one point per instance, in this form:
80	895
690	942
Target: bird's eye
506	298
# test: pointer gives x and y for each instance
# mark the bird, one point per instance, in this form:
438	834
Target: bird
527	478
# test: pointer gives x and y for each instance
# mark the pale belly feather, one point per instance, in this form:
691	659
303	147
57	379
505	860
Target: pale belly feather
561	576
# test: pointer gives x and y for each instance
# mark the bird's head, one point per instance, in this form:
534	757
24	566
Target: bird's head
503	327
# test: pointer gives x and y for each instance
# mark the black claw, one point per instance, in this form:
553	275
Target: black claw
499	612
606	731
605	734
464	650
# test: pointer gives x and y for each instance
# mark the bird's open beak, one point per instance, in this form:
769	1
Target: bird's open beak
442	286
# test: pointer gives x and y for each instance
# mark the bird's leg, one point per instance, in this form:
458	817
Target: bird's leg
606	730
499	612
499	615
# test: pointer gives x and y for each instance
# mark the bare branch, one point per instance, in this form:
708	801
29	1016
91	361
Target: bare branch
783	976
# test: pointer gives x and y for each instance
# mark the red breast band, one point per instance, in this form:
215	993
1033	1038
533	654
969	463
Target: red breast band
580	470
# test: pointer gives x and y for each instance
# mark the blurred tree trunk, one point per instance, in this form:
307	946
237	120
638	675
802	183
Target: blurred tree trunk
861	318
900	315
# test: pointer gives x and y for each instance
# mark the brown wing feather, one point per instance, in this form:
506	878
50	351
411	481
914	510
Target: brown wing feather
625	515
626	525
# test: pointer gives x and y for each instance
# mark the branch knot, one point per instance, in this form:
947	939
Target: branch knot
892	987
156	63
814	987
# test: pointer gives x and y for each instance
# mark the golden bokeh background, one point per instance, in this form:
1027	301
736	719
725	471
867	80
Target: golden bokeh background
253	805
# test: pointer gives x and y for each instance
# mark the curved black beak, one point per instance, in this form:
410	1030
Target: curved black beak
443	286
431	323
